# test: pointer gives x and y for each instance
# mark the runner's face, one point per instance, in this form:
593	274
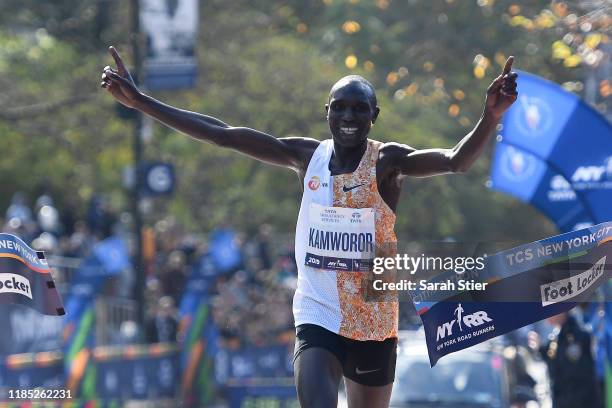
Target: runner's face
350	114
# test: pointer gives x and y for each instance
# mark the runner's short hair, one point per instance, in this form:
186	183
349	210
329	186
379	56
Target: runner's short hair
359	79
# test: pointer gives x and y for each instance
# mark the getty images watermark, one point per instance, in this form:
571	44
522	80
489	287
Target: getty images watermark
427	270
540	272
428	264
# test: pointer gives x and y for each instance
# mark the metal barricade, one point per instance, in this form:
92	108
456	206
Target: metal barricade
116	321
111	312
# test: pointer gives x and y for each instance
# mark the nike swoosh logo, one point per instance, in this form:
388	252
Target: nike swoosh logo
359	372
347	189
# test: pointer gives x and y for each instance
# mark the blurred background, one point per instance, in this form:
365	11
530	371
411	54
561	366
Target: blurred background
196	309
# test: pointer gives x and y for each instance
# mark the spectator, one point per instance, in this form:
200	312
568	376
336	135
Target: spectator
173	275
100	218
570	364
47	216
18	208
163	327
19	219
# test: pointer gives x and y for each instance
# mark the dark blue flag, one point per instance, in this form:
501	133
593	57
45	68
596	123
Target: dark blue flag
527	177
573	138
107	259
112	254
224	251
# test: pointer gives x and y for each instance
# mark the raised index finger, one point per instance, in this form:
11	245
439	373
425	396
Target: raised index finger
508	65
118	60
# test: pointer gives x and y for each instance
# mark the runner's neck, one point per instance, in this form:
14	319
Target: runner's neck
346	159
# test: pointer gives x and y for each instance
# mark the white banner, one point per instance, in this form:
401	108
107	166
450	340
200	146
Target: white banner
170	27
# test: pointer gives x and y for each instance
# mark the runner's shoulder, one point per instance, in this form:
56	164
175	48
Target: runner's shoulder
303	147
395	148
390	152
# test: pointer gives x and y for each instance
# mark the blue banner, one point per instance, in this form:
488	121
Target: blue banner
31	370
113	374
24	330
524	285
252	364
527	177
107	259
574	139
277	396
200	335
144	374
25	277
608	322
257	376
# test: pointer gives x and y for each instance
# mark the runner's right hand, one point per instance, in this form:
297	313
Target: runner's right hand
119	82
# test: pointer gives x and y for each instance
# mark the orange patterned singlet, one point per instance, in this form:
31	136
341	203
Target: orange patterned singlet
341	299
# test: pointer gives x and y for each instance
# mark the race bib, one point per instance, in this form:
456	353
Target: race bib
341	239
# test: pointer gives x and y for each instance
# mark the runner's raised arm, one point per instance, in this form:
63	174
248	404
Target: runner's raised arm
291	152
501	94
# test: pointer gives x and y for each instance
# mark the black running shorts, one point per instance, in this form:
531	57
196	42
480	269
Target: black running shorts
365	362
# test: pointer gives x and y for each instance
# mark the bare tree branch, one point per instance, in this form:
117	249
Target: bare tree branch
40	109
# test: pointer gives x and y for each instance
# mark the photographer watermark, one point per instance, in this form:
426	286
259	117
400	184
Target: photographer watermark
422	263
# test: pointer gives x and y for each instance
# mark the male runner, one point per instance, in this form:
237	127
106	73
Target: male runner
351	188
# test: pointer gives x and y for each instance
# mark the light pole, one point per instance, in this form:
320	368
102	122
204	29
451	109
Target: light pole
137	152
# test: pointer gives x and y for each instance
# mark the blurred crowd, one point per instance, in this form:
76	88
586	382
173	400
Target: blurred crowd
58	233
251	299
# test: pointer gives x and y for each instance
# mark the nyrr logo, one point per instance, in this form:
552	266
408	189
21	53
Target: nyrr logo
588	174
535	117
338	263
560	189
593	173
472	320
12	283
516	165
